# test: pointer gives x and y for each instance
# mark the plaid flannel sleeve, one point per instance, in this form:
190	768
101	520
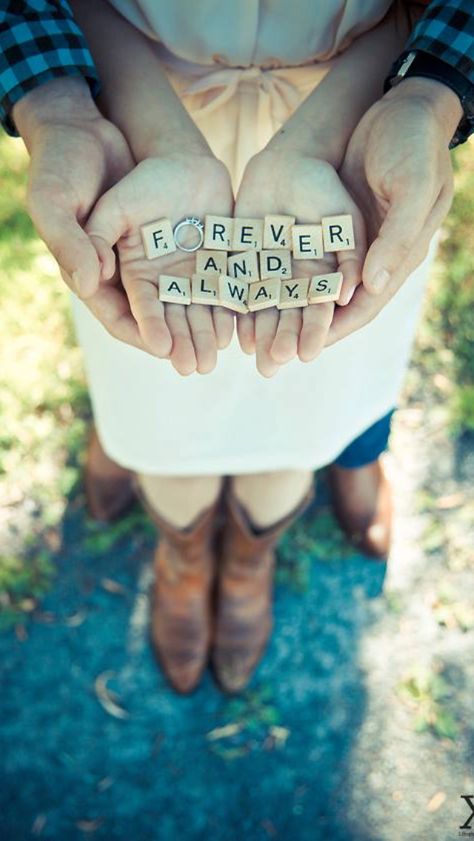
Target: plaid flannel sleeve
446	30
39	41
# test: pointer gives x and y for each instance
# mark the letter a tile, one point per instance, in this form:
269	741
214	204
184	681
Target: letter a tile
175	290
264	294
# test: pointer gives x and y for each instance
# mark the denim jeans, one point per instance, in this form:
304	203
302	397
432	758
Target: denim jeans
368	446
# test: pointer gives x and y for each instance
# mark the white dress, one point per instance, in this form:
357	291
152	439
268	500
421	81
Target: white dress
220	58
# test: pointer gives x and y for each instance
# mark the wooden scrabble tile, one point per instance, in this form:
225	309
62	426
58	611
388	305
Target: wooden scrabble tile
244	264
218	232
325	287
277	231
248	234
205	289
211	263
275	264
233	293
307	242
338	233
293	293
175	290
158	238
263	294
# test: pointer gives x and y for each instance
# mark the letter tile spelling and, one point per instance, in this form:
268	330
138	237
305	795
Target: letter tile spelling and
258	272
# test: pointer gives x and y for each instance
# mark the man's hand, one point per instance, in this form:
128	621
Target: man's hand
397	167
173	187
308	188
75	156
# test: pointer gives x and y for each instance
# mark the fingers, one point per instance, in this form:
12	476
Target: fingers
266	323
317	320
351	263
399	234
149	313
69	245
111	307
285	343
364	306
203	335
182	355
223	321
107	224
246	332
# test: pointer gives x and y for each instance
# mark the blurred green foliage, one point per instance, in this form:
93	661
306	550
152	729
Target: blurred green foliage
445	343
44	407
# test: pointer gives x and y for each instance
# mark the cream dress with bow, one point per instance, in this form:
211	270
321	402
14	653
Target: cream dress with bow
241	67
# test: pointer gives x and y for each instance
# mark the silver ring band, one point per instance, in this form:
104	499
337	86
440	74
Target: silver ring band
195	223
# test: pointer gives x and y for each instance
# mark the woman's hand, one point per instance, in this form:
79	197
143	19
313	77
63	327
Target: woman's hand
173	187
398	168
283	182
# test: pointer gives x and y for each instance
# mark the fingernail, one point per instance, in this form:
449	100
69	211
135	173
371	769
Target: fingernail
380	280
348	296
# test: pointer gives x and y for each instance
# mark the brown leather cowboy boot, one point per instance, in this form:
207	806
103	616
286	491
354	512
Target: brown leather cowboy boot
181	612
363	505
108	486
245	592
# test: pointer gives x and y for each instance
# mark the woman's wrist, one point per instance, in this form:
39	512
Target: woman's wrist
302	136
170	143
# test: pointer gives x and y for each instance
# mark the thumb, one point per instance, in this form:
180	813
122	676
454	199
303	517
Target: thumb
106	225
399	233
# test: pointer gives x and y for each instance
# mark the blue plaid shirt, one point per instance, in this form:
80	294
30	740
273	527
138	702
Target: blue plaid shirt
446	30
39	40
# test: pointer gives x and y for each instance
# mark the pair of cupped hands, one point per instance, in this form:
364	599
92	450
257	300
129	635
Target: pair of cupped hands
88	199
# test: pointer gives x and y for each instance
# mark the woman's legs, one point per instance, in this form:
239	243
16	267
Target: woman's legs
269	497
180	499
259	508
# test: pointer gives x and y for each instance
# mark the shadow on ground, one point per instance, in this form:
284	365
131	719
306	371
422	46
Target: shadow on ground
96	745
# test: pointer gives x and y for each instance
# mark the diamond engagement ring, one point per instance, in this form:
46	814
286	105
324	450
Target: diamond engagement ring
195	223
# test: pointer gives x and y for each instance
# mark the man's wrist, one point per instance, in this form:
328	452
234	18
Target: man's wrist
56	101
442	100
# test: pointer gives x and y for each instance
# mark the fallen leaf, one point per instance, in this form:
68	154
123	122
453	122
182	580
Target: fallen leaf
21	633
108	699
105	783
436	801
76	619
280	734
113	586
90	826
269	828
450	501
224	732
39	824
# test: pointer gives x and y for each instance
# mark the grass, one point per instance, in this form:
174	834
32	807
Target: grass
45	409
44	405
444	352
